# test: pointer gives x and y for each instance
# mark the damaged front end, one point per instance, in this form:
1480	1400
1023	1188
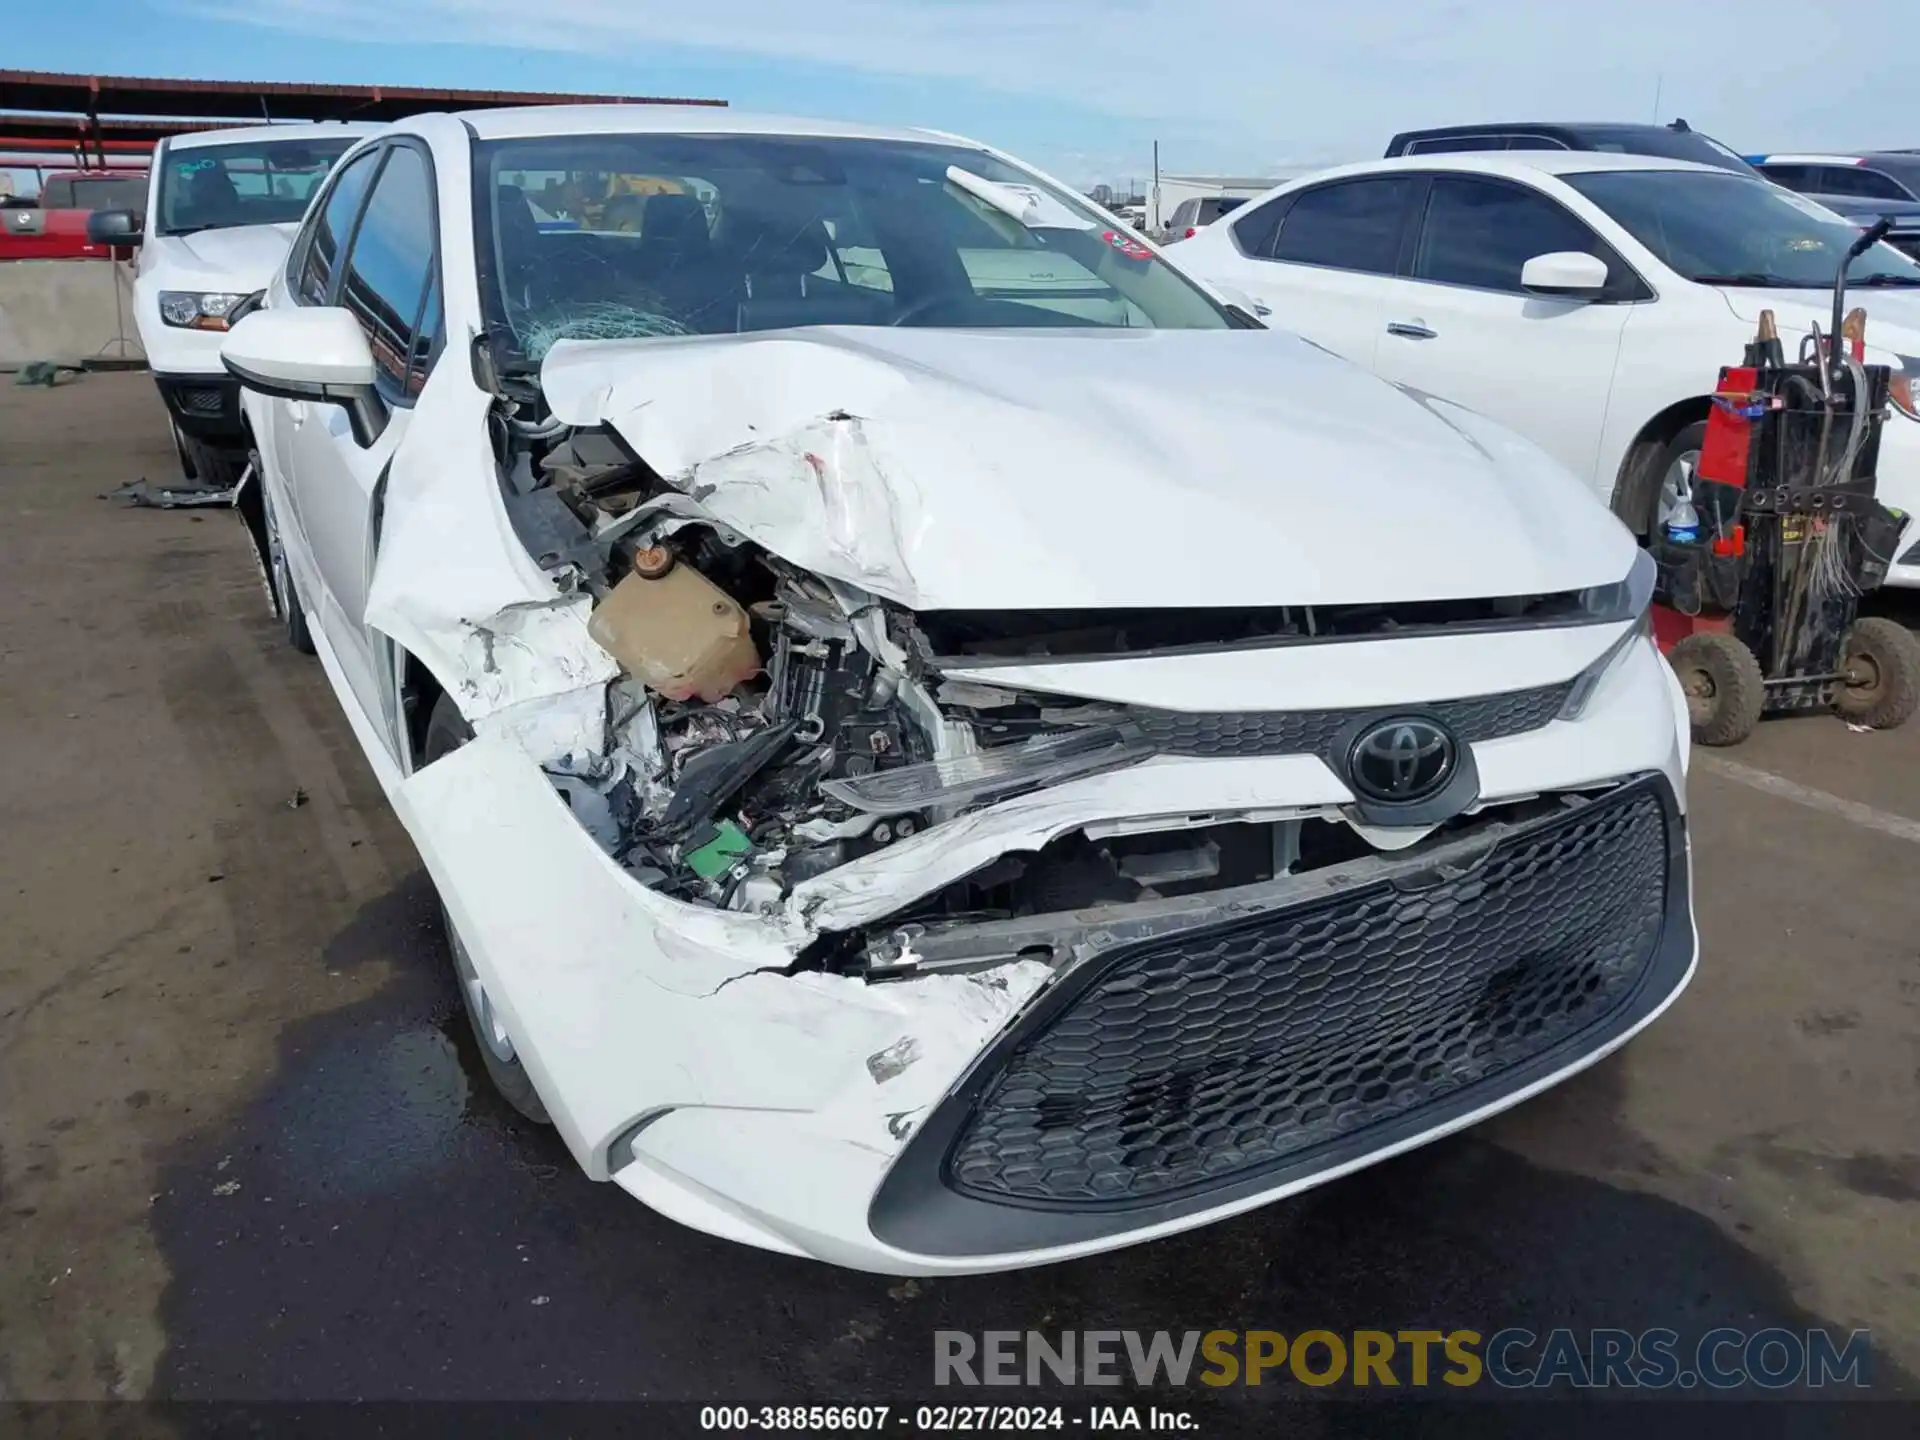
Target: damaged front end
1022	932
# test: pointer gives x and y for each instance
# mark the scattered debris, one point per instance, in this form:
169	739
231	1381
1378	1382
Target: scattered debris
542	1300
230	1187
144	492
216	877
42	372
905	1290
297	799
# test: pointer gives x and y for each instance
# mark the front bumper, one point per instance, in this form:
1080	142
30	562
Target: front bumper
206	407
803	1112
1898	485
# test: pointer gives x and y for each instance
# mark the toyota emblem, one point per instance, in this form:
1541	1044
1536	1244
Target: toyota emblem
1403	760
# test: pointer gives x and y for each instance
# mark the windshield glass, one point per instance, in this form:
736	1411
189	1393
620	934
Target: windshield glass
1669	145
262	182
605	236
1727	230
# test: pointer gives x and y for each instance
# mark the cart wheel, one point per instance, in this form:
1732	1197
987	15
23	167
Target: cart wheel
1723	684
1880	666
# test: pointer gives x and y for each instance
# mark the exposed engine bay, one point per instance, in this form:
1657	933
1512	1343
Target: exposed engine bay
770	725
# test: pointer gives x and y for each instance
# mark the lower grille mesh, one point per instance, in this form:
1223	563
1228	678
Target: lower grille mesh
1199	1056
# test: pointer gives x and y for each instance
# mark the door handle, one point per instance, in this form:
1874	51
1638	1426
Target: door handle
1411	330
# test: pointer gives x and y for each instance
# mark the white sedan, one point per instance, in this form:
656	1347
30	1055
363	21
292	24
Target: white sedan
941	747
1586	300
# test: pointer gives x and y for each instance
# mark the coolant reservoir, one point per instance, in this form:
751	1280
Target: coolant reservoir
680	634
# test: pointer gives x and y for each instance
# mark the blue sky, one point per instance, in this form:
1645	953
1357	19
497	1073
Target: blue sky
1081	87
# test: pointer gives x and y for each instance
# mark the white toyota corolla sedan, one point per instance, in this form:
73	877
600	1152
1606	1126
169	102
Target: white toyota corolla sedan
944	747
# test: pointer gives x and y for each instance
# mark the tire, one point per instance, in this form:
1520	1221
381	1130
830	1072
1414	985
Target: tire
1881	659
446	732
1724	688
1682	453
286	595
210	466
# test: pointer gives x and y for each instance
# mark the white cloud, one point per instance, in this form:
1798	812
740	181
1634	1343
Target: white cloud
1251	82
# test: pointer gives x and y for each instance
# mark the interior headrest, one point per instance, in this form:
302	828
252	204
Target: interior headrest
678	218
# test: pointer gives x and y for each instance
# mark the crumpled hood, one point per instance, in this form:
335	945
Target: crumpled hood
1014	469
241	257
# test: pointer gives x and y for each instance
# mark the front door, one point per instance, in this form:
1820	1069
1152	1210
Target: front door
1461	327
390	284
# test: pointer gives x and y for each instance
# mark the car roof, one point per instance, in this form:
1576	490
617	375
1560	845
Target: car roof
1517	164
533	121
250	134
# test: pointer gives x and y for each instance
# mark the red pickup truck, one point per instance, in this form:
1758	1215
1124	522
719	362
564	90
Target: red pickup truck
54	227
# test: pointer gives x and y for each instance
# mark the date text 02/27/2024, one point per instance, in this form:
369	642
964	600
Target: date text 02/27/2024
943	1419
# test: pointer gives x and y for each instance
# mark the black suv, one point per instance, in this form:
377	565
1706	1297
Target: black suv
1677	141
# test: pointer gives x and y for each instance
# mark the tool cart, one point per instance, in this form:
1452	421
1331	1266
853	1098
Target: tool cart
1764	559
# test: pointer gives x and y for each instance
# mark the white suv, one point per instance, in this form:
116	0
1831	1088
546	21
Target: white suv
1586	300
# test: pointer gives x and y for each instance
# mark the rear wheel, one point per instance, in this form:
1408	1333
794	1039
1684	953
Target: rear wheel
447	732
1880	669
1724	688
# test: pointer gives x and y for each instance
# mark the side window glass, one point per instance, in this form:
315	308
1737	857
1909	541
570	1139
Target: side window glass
327	231
1873	184
1480	233
1350	225
1254	231
390	263
1532	142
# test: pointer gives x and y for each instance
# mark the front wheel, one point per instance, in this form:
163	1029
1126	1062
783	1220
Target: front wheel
286	596
1880	674
447	731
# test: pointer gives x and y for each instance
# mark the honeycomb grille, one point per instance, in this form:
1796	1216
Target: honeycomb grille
1313	732
197	401
1198	1057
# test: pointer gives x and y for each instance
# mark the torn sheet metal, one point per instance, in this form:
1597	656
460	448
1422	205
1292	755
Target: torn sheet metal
452	583
622	1001
144	493
954	469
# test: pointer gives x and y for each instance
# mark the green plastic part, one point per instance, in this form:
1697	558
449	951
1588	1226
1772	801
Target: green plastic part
721	852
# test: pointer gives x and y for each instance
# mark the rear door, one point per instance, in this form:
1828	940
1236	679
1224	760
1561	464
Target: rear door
1325	269
1461	327
390	283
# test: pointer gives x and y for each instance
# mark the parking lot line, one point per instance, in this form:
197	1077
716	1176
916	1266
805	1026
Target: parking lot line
1886	823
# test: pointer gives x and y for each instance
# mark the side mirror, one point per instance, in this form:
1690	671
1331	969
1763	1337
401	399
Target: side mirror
1569	273
314	353
115	227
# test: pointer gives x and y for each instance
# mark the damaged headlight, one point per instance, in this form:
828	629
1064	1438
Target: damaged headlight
196	309
1631	599
990	775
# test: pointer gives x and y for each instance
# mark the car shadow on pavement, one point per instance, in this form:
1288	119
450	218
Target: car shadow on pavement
377	1224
